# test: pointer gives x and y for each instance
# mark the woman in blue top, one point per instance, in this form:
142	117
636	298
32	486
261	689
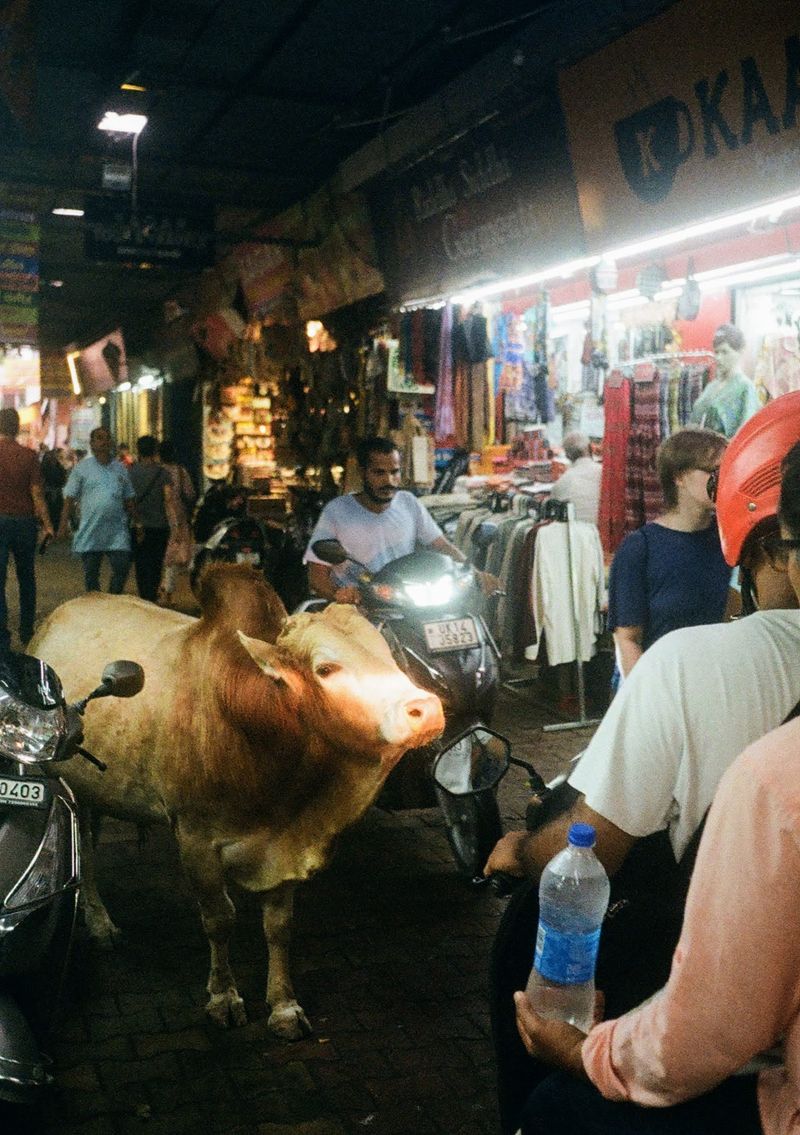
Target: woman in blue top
671	572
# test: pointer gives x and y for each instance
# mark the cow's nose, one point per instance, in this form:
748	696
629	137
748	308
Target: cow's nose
425	714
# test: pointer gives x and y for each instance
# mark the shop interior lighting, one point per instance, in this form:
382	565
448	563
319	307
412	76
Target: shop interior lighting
73	372
122	123
62	211
772	210
747	272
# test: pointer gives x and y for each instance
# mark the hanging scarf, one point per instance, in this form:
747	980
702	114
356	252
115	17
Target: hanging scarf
443	415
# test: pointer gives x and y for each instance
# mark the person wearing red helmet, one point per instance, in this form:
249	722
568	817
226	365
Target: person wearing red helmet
717	1048
693	701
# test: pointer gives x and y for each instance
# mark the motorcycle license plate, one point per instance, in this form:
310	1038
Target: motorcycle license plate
25	791
248	558
450	634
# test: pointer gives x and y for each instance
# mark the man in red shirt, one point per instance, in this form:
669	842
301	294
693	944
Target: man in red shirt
21	502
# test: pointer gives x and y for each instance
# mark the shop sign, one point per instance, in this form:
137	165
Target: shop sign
694	113
496	202
102	365
322	258
149	234
19	277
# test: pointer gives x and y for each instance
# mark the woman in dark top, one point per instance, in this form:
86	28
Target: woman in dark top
671	572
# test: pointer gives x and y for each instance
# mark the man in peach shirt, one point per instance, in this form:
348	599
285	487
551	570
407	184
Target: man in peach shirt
694	1056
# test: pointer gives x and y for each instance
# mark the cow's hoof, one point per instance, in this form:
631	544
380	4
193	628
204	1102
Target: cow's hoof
289	1022
226	1009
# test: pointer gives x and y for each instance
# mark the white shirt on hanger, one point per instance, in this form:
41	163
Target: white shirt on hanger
558	609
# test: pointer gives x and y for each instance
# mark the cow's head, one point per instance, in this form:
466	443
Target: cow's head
367	703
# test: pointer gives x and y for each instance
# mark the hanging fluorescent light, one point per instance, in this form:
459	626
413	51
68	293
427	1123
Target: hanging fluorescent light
61	211
770	210
122	123
73	372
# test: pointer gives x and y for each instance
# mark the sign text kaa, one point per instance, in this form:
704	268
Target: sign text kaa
654	142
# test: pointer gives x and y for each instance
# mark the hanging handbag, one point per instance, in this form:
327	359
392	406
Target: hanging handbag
688	306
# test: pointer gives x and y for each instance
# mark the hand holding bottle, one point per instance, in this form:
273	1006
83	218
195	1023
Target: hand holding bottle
554	1042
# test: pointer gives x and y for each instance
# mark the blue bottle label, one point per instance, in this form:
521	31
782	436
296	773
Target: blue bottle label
566	958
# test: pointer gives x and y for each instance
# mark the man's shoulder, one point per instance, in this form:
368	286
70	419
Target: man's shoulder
741	644
341	504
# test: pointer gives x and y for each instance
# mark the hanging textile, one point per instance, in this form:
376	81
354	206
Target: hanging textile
617	410
567	589
643	498
443	415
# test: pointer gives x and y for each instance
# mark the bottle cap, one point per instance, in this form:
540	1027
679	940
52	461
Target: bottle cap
582	835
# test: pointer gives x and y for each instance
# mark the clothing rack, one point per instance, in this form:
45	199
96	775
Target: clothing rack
564	512
627	369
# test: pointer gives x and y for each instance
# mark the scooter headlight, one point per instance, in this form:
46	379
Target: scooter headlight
431	593
28	734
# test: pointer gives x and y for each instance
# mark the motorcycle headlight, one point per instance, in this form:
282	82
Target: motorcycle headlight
432	593
28	734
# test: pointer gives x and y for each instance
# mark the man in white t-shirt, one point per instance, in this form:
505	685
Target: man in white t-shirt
581	482
376	525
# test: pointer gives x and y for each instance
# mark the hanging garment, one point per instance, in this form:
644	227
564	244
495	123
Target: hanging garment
567	591
611	514
643	497
443	414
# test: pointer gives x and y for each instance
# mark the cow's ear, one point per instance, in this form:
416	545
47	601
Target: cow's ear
263	656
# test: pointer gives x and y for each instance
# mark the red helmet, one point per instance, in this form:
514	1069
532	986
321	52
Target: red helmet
750	473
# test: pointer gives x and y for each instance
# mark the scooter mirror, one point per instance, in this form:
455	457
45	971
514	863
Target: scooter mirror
331	551
125	679
473	762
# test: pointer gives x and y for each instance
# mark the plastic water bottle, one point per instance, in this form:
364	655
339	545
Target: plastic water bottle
573	896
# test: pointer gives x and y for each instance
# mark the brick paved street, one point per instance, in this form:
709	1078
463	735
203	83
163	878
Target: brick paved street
390	957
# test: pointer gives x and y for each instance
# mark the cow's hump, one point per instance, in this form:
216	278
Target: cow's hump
237	597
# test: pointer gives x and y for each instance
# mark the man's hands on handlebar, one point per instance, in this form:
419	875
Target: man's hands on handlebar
346	595
489	583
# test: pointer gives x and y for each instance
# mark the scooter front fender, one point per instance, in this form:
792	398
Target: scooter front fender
23	1067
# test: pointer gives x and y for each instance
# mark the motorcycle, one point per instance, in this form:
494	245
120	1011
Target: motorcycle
39	858
276	550
426	606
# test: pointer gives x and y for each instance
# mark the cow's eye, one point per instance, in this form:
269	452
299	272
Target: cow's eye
325	669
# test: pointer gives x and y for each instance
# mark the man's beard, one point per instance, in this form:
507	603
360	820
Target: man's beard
382	496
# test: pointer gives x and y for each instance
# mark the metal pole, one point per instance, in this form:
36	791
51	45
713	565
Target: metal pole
583	721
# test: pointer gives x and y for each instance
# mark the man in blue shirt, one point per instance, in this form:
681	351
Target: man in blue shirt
377	525
100	488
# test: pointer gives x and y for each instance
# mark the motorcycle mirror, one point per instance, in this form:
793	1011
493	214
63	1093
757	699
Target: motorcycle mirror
331	551
473	762
122	679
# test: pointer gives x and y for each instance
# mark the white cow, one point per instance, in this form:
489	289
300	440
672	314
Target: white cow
257	737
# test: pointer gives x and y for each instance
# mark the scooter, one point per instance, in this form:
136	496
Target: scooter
39	857
276	550
426	606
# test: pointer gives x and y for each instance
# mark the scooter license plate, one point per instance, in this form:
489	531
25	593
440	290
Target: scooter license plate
248	558
450	634
25	791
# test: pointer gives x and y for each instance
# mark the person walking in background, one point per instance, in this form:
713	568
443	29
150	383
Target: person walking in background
21	503
54	477
179	549
581	482
671	573
155	516
100	489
